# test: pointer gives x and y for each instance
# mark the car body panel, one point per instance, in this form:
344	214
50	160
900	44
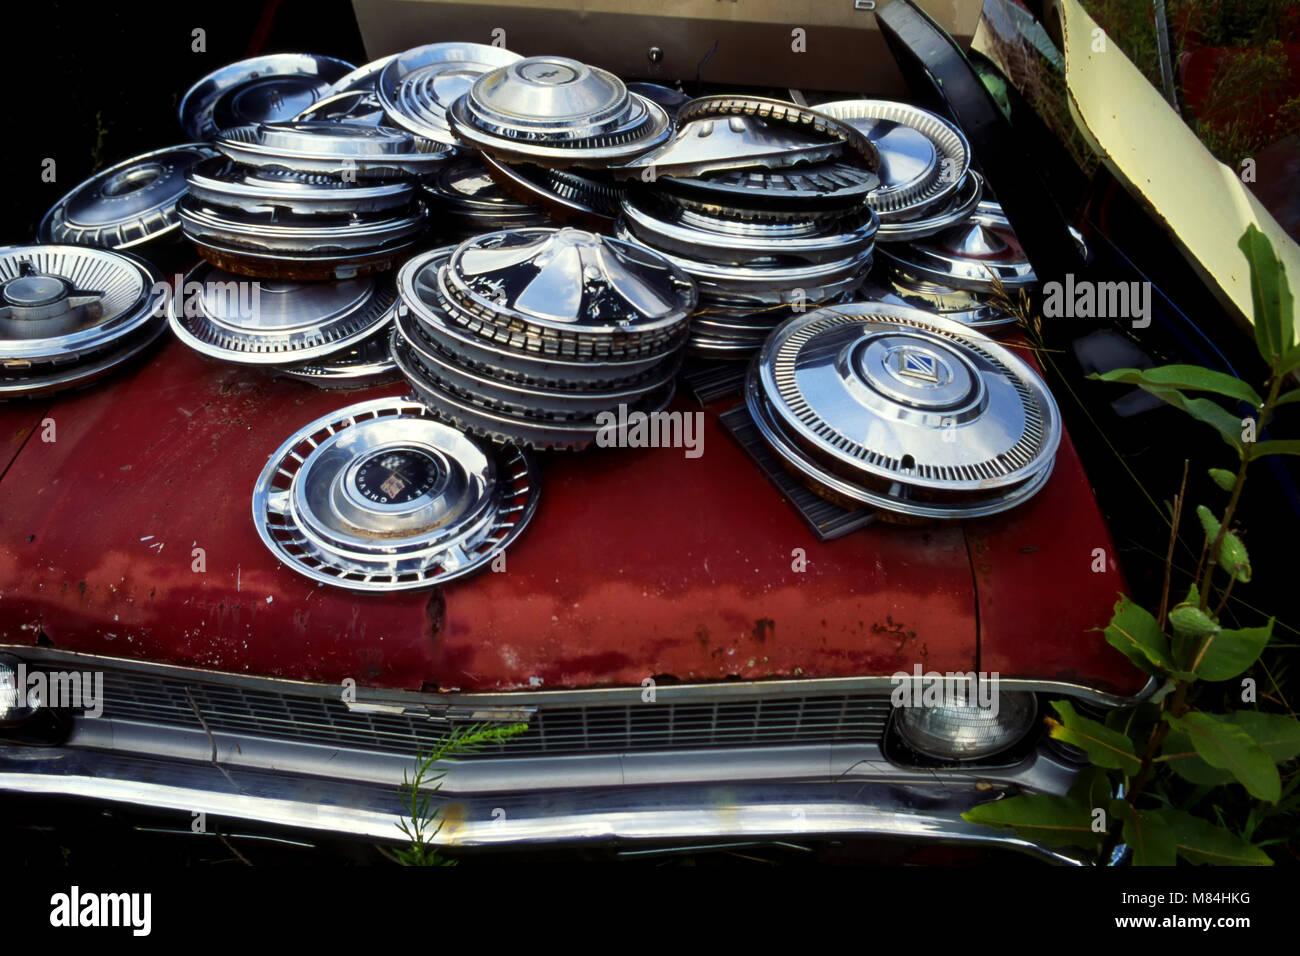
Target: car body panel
639	563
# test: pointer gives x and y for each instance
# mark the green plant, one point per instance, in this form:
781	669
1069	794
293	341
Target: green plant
423	821
1154	763
1231	121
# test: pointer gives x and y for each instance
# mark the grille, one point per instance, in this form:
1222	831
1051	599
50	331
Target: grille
553	731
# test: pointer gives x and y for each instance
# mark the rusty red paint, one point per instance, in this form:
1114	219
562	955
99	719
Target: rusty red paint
638	563
18	421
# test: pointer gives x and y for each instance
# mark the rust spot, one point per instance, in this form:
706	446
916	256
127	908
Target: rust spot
764	627
894	629
435	613
702	634
81	588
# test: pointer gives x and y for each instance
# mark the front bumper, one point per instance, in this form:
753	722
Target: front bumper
793	794
777	761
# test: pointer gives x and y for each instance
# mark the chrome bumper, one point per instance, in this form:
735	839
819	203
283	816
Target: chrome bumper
775	794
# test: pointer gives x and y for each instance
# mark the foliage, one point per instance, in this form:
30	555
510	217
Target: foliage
1141	754
1242	112
424	821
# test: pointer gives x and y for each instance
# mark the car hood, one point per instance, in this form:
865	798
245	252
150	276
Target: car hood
126	531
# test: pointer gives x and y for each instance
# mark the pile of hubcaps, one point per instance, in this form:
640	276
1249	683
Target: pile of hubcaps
901	410
530	335
380	496
70	314
309	200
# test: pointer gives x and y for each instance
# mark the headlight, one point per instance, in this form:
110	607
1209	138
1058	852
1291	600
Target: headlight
968	731
14	708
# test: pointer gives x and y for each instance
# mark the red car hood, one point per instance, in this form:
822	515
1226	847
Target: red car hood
638	563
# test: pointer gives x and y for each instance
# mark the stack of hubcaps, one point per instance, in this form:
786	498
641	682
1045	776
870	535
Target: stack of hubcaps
752	271
955	272
530	335
70	314
472	203
309	200
897	409
379	496
763	204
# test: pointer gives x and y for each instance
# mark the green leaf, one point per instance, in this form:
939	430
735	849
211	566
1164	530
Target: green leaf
1287	398
1105	747
1225	422
1135	722
1148	836
1229	652
1092	788
1200	841
1270	295
1135	632
1224	479
1042	818
1190	378
1188	764
1278	734
1223	744
1261	449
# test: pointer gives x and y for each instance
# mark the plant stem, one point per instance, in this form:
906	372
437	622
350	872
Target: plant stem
1173	539
1177	707
1265	413
1227	592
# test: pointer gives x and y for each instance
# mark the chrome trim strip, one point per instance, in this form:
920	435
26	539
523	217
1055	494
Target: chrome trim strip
792	687
1040	771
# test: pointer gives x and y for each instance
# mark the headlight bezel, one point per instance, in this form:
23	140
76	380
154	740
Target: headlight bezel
904	746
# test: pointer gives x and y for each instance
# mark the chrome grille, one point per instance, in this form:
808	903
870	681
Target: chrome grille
553	730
